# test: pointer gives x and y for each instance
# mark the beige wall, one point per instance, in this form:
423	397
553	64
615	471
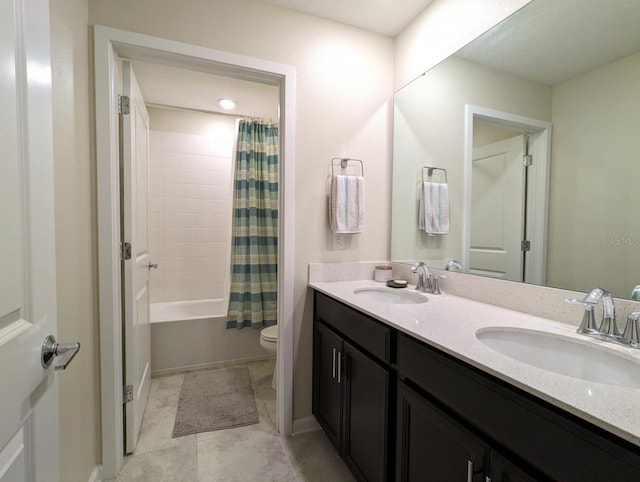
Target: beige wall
441	29
344	86
75	238
593	221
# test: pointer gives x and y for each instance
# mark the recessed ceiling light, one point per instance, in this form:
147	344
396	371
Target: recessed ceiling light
226	104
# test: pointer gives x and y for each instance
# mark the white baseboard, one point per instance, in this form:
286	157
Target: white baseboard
96	474
302	425
209	366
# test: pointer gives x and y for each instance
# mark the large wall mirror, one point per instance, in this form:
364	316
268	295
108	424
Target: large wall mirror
558	81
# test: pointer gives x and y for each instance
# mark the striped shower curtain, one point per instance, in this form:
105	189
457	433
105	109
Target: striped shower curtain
254	252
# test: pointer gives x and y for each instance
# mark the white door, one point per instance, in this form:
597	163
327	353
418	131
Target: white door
28	391
135	186
497	210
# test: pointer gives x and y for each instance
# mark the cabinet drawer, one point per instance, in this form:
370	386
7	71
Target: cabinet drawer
371	335
542	435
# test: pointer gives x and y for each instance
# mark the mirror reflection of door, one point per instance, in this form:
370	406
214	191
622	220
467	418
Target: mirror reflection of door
505	203
498	209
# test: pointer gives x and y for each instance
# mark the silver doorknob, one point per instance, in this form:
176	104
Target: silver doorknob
154	265
51	349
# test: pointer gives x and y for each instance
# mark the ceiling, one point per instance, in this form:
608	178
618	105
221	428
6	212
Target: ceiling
551	41
195	90
386	17
171	86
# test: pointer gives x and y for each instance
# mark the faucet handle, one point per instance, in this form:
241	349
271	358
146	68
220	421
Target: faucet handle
435	283
631	334
588	323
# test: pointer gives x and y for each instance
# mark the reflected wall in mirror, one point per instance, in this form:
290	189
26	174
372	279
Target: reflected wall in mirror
574	64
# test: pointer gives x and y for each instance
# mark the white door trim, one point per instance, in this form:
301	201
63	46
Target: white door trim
538	183
109	44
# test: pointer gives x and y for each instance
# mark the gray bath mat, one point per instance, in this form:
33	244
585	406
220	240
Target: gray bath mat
215	400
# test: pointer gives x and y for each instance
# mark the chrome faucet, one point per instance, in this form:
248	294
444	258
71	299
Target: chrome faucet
427	281
608	329
453	264
424	279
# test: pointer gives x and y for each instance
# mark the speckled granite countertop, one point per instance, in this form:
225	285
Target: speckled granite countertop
450	323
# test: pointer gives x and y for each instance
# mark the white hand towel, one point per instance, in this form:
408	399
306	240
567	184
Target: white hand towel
434	208
421	207
347	204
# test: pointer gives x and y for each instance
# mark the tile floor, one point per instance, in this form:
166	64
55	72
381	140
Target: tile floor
251	453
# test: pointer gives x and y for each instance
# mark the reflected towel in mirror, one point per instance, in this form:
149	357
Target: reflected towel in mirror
433	215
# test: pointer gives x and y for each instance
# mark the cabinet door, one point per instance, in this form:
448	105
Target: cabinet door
366	414
327	391
433	447
503	470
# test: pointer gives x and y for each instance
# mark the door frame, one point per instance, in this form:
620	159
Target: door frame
109	44
537	202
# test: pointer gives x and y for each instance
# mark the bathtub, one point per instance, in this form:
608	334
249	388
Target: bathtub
187	310
188	335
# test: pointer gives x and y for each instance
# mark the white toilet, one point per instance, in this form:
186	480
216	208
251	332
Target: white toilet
269	341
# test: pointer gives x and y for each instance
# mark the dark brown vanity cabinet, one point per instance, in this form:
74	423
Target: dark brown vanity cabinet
398	408
351	387
547	442
432	446
327	387
366	395
504	470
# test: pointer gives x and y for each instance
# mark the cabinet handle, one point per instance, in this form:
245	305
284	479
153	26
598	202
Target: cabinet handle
333	363
339	366
469	471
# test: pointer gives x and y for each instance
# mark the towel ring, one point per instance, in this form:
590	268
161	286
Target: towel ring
430	172
344	163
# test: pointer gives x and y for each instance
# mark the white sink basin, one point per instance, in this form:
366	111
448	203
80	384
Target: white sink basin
391	295
564	355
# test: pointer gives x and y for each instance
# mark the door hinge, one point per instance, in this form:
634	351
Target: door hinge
527	160
127	394
525	245
123	104
125	251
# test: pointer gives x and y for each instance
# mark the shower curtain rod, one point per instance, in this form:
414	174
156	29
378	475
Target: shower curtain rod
190	109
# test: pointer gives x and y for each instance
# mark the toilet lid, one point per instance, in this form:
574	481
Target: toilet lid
270	333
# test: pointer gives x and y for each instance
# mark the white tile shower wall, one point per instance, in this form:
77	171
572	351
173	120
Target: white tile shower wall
190	214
